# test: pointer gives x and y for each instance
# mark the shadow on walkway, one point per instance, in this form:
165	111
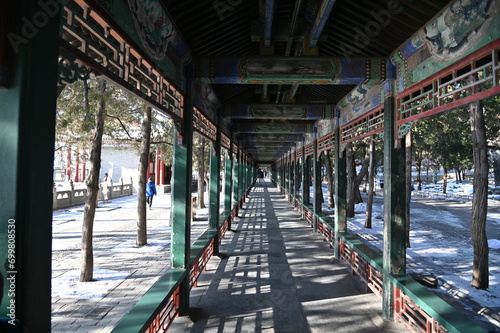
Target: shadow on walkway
278	277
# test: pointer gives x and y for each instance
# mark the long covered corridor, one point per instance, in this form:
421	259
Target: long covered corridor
279	276
272	85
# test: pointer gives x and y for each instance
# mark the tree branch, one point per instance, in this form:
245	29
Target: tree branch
123	126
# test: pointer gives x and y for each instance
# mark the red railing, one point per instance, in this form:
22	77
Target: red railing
164	319
200	265
412	316
328	234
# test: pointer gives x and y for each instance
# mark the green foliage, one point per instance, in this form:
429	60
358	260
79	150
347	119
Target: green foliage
76	114
445	139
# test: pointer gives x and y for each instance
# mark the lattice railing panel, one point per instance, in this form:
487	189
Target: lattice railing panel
89	38
204	126
476	77
412	316
309	149
369	124
164	319
224	141
326	142
200	264
298	154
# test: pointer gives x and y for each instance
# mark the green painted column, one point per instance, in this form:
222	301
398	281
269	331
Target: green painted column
283	174
305	193
318	191
181	197
296	175
240	180
214	197
228	185
27	132
290	173
394	262
340	197
307	181
236	177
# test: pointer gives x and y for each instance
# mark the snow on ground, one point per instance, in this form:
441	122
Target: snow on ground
431	252
105	280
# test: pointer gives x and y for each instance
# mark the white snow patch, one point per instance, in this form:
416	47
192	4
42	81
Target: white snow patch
105	280
494	243
152	246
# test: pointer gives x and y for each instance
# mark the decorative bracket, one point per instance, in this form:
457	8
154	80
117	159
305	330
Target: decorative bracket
71	71
403	129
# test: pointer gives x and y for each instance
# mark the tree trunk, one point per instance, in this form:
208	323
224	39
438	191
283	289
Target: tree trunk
419	175
201	174
353	180
351	173
445	179
87	266
496	167
408	155
142	235
329	176
371	184
480	269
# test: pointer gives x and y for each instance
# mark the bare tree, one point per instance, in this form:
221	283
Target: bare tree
87	266
142	238
371	183
329	176
480	268
353	180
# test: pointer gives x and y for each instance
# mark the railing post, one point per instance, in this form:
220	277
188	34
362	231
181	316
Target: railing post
54	196
71	192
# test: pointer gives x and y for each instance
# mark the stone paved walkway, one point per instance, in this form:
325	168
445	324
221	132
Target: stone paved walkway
114	253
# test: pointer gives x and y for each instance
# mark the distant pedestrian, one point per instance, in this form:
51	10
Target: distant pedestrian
260	175
105	187
150	191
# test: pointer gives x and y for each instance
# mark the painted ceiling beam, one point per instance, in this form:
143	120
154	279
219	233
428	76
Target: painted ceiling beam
288	70
280	111
270	137
322	15
272	127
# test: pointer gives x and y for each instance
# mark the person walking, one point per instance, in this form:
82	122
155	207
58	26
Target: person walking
150	191
105	188
260	175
